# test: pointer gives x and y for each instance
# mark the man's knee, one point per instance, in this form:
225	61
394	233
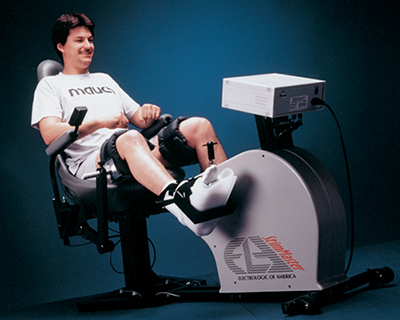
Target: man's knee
173	144
129	138
119	144
196	127
132	140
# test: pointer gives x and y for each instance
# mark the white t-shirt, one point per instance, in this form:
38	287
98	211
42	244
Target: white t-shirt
57	96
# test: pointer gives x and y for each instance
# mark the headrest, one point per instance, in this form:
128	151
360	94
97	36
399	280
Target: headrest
48	68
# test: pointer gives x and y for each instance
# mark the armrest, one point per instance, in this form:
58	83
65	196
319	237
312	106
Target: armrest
67	138
62	142
161	122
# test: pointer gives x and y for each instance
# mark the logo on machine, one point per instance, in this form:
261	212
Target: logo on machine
258	255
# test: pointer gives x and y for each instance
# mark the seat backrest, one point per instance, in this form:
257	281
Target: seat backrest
48	68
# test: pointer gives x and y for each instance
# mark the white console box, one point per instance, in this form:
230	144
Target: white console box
272	95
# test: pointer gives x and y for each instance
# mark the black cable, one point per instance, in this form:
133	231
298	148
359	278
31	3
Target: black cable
113	230
89	242
111	263
122	272
154	253
316	101
79	244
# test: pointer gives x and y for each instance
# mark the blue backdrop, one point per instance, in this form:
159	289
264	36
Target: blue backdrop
175	54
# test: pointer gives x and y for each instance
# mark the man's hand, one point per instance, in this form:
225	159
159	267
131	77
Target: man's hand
117	120
145	116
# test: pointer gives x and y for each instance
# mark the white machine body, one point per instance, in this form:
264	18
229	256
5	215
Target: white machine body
288	230
272	95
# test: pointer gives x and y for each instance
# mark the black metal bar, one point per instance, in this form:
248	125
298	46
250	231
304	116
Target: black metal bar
139	276
283	132
275	134
266	133
53	178
104	244
312	302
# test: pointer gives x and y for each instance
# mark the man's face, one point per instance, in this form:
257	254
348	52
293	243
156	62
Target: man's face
78	50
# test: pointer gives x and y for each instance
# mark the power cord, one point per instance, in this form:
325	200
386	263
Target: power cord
317	101
111	262
122	272
111	253
89	242
117	235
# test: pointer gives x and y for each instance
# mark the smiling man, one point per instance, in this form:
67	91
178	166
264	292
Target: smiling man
78	50
104	134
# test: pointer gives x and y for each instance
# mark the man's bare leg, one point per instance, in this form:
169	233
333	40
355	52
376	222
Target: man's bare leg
144	166
199	131
148	168
203	195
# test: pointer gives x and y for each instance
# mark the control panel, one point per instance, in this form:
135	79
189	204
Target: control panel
272	95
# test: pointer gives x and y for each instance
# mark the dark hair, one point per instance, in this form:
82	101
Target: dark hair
67	22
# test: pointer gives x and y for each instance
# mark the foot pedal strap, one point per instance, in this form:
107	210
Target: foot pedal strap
201	216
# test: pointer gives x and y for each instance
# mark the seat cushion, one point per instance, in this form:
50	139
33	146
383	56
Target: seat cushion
122	194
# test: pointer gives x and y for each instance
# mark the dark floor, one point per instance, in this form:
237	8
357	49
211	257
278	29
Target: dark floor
381	303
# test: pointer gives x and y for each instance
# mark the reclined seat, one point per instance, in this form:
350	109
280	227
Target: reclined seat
124	201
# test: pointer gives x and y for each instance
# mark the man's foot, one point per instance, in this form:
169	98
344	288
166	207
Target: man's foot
198	202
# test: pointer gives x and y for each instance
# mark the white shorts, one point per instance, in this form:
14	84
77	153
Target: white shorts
88	165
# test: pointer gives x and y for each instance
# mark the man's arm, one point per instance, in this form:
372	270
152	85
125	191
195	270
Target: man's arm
53	127
145	116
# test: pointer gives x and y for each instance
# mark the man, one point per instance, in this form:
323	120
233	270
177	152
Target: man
104	134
